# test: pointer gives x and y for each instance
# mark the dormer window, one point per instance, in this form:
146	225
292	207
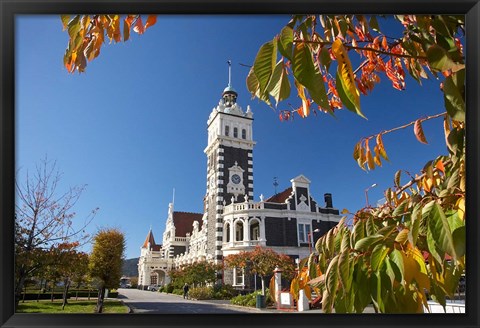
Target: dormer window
235	132
227	130
244	134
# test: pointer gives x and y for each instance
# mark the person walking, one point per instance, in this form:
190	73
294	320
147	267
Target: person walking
185	291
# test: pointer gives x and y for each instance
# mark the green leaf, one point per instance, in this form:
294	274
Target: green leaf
65	19
264	64
332	276
312	266
396	180
416	218
459	236
254	87
378	256
438	60
279	85
374	24
362	295
397	264
345	245
358	231
285	44
401	208
454	100
440	231
344	270
371	229
308	74
325	59
364	243
346	97
74	27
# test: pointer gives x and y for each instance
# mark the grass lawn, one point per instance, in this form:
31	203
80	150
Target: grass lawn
80	306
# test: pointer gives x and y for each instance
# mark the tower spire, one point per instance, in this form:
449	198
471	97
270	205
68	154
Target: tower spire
229	94
229	62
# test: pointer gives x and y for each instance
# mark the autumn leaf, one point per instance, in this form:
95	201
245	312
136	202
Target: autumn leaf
151	20
418	130
347	90
139	26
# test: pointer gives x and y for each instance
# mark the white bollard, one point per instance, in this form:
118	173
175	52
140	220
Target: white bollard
302	301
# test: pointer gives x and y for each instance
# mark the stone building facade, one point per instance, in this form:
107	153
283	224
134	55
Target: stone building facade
232	221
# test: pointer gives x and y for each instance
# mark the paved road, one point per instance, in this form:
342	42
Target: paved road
142	301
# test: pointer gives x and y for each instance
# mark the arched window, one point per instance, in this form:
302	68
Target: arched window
239	231
227	130
227	233
254	230
244	134
235	132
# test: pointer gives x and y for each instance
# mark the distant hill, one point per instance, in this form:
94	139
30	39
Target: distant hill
130	268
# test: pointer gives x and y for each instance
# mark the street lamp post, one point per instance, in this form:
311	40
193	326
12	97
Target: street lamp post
366	193
310	239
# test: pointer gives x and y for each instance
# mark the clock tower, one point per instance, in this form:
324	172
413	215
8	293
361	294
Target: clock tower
229	163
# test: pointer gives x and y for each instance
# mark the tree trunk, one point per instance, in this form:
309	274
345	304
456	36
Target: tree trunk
101	296
19	286
263	285
65	292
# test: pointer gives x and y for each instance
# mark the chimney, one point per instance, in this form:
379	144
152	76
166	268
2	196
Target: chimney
328	200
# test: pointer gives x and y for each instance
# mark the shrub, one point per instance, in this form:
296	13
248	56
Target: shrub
202	293
251	299
169	288
161	289
177	291
224	292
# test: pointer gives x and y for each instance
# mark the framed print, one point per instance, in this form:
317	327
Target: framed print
216	163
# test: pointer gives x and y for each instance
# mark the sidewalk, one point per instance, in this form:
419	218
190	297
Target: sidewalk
369	309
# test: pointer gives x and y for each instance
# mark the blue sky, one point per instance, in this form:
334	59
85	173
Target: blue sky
133	127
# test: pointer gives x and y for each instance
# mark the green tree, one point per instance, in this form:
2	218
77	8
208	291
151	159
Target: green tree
261	261
106	261
195	274
415	242
44	219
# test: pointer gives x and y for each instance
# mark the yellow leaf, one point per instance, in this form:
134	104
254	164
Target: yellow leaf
346	71
377	156
345	211
461	208
304	111
381	147
370	161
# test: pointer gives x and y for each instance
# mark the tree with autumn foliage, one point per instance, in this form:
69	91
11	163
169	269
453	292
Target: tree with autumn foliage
44	219
106	261
261	261
88	32
414	243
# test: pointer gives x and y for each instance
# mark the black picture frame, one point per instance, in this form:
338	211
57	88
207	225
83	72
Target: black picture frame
10	8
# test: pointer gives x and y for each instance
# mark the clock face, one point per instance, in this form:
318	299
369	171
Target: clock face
236	179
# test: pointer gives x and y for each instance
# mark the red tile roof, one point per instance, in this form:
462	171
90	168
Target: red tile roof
183	222
151	240
280	197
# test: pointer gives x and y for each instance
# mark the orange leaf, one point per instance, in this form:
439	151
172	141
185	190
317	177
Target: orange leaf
151	20
440	166
418	130
139	26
